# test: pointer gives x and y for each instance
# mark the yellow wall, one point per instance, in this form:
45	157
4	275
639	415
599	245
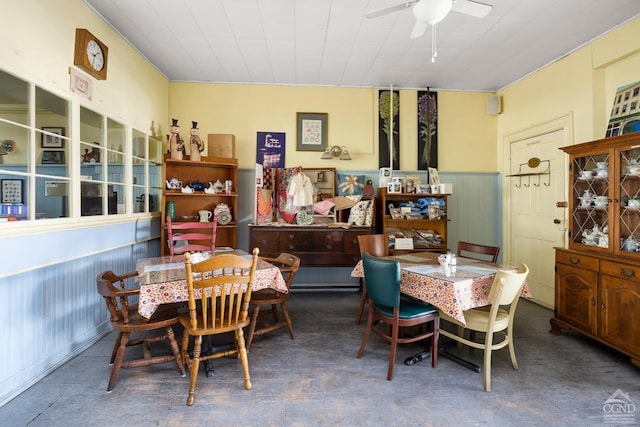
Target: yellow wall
583	83
37	44
464	144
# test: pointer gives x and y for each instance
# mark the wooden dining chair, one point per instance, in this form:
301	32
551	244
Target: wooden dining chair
388	312
222	284
191	236
126	320
498	319
289	266
481	252
378	246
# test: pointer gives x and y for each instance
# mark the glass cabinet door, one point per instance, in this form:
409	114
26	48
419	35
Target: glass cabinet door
590	201
629	200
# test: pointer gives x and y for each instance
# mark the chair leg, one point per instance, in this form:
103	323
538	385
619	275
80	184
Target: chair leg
365	338
117	362
252	326
363	300
274	312
193	367
244	360
488	343
512	351
395	330
116	345
184	347
287	318
174	349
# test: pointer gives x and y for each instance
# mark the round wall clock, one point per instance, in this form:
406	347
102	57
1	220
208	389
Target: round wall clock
91	55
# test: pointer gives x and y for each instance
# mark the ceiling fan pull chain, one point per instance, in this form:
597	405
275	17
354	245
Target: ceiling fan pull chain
434	51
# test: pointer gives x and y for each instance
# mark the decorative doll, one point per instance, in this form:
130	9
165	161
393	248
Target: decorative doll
195	143
176	144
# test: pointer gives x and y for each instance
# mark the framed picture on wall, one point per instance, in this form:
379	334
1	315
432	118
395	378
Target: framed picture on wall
52	141
52	157
312	131
12	191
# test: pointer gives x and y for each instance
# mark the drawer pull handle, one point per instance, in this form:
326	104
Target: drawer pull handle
574	260
290	246
264	242
627	273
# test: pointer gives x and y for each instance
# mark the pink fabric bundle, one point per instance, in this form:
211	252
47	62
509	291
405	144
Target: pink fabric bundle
323	207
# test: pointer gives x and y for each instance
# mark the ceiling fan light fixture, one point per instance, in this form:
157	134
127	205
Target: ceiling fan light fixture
432	11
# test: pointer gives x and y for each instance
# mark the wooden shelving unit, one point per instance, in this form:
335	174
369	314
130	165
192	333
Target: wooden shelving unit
388	224
209	169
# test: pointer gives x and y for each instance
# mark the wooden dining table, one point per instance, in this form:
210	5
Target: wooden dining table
163	279
451	289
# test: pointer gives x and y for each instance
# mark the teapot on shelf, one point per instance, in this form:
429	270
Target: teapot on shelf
586	198
187	190
174	184
218	186
196	185
210	189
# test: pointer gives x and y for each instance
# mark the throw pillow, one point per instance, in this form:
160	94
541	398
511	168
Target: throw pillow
350	185
368	220
358	213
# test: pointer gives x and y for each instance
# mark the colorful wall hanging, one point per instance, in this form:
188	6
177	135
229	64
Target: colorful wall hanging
427	129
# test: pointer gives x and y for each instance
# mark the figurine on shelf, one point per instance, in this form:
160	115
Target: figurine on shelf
195	143
176	144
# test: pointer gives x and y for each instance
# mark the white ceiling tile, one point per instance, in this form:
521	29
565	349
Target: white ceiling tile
331	42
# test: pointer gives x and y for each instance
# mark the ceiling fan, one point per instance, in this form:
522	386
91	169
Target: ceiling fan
430	12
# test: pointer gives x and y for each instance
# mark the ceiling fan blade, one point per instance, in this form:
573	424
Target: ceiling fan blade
419	29
472	8
390	9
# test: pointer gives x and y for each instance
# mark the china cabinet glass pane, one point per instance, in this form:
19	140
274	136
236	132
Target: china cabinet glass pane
591	200
629	200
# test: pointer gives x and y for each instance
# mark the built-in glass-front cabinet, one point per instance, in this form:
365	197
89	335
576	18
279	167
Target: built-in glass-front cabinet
47	172
597	280
604	198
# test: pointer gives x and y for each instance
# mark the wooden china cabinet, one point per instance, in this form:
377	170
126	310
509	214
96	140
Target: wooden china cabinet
598	276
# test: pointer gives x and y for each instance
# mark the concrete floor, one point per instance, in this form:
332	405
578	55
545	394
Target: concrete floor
316	380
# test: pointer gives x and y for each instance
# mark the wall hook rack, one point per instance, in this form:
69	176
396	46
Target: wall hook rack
533	168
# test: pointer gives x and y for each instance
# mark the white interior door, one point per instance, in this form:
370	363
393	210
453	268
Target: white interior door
536	224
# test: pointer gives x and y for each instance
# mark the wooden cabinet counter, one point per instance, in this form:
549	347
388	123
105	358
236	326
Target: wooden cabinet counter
317	246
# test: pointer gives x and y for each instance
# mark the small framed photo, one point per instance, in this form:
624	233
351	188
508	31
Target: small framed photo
52	157
52	141
12	191
312	131
433	176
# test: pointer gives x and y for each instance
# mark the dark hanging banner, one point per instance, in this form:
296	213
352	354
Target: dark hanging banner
389	107
427	129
